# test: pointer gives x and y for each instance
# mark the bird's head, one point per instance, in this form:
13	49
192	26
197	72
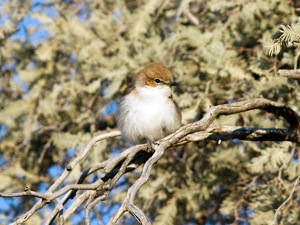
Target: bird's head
155	75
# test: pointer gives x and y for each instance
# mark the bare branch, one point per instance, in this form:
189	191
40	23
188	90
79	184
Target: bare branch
81	156
78	202
27	192
201	125
131	158
223	133
292	74
286	201
65	174
191	17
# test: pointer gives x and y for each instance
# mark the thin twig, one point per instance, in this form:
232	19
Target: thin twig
286	201
25	193
40	204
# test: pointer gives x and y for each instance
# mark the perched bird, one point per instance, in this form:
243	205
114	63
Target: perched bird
148	112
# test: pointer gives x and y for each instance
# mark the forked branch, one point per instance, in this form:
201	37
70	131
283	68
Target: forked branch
130	159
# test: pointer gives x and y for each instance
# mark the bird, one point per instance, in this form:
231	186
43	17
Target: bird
148	112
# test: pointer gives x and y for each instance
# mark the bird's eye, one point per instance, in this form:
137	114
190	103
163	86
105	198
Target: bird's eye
157	80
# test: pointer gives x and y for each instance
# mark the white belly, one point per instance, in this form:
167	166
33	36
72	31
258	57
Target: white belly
145	117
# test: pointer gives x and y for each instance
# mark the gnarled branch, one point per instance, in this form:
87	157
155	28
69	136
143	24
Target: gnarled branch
135	156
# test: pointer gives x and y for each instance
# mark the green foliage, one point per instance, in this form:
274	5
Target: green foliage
62	72
167	213
289	35
270	159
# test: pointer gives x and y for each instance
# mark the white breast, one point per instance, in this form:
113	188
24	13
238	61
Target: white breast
148	113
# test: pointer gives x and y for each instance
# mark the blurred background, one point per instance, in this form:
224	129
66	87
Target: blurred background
65	65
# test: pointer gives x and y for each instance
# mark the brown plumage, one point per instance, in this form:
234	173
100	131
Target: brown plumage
148	111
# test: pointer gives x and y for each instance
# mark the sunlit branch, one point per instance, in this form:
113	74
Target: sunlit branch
113	169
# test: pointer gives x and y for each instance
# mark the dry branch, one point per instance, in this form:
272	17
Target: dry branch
286	201
135	156
292	74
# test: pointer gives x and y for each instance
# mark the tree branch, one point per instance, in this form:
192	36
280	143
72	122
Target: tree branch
286	201
135	156
292	74
224	133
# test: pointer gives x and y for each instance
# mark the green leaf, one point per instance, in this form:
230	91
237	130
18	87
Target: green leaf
167	214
